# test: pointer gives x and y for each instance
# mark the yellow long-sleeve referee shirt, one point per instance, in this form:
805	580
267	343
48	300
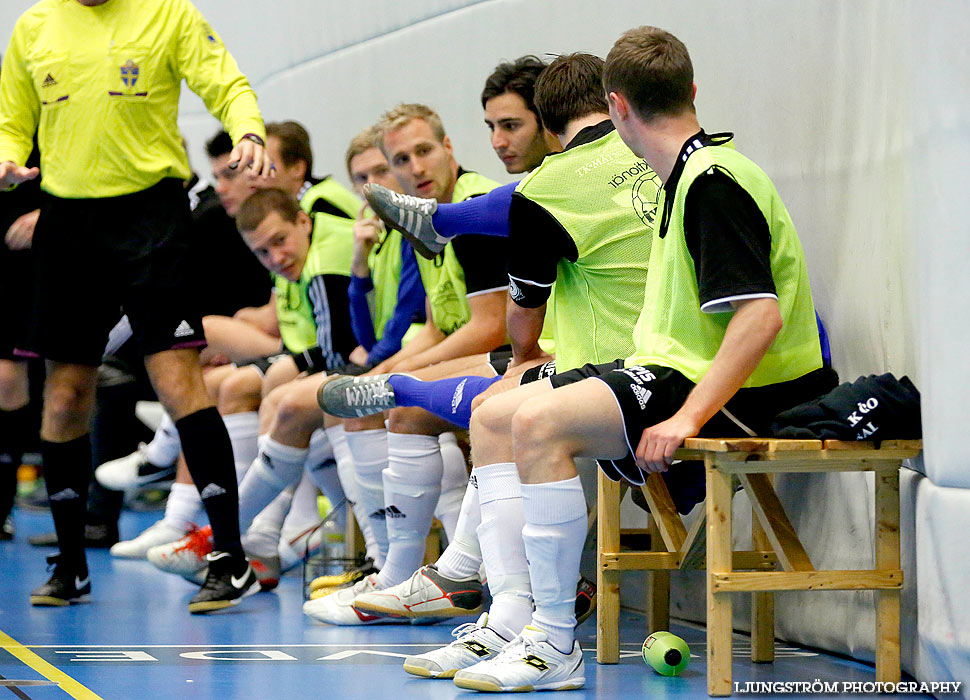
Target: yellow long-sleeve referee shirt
100	85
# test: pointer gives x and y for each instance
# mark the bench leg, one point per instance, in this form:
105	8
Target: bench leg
658	601
719	624
887	557
658	588
607	581
762	607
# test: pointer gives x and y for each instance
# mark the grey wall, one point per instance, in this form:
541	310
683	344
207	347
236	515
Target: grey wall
859	110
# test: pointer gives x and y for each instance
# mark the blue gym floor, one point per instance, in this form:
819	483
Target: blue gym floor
137	641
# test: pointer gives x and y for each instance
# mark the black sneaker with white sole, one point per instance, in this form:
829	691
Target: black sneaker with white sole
64	587
230	578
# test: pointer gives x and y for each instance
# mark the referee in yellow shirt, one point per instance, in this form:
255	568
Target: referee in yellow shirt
99	82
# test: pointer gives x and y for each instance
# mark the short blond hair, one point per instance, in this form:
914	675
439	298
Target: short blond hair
364	141
405	113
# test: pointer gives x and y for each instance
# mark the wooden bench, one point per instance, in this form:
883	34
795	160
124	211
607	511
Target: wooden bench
752	462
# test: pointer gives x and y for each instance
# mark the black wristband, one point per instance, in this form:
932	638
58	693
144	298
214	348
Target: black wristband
255	138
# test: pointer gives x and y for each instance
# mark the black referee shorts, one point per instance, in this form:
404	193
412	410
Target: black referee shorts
96	259
16	294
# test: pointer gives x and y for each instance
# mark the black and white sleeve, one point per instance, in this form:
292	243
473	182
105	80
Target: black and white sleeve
537	243
729	240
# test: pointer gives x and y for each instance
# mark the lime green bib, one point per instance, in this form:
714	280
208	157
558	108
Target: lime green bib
443	278
605	198
331	249
672	331
385	266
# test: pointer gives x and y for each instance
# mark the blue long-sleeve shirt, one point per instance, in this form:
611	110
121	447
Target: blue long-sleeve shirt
410	302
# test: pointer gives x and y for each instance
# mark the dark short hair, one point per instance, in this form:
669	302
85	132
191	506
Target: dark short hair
652	69
219	145
294	143
518	76
262	203
569	88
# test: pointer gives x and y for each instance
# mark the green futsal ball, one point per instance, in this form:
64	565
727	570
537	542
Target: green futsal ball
666	653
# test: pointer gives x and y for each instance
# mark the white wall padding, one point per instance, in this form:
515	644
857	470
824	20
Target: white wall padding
859	112
942	524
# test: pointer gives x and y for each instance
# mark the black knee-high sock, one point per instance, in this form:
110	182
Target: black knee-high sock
208	455
13	435
67	471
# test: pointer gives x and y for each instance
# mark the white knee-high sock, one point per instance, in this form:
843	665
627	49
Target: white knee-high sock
164	448
183	509
453	483
262	539
554	533
243	429
303	512
503	551
325	477
369	448
321	451
276	467
346	472
463	556
412	484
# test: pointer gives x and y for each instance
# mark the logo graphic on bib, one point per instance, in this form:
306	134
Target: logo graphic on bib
129	73
646	192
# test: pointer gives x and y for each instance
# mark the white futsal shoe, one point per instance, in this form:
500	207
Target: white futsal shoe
186	556
426	594
338	607
137	548
529	662
474	642
133	471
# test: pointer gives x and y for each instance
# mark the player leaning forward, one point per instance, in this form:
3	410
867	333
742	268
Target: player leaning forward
100	81
728	323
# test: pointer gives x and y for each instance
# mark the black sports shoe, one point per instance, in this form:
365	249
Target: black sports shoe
222	588
64	586
585	599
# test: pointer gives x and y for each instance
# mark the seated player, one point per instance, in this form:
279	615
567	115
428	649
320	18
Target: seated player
579	238
402	466
727	338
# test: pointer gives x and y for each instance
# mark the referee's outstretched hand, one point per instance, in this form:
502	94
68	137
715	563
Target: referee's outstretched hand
249	154
12	174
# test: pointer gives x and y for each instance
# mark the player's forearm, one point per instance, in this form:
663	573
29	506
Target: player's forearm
427	338
525	327
749	334
475	337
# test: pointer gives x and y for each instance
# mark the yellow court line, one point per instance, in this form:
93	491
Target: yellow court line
51	673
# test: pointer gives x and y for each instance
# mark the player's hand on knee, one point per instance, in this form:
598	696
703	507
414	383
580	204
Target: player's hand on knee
655	452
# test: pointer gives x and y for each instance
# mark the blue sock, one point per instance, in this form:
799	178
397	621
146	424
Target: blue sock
450	399
487	214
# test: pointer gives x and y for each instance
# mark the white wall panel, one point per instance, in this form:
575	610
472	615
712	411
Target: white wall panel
859	111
